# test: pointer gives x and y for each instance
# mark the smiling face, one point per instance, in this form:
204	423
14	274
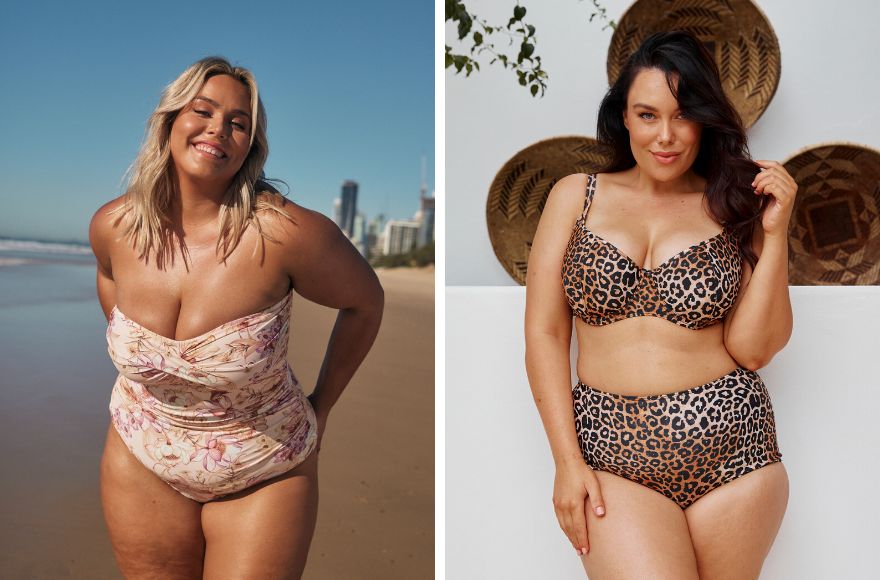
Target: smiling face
656	126
210	137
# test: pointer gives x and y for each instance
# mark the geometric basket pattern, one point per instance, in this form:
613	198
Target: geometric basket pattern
834	234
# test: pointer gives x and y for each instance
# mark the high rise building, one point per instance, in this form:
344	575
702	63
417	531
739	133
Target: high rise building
359	233
375	238
425	215
400	237
349	206
337	212
426	224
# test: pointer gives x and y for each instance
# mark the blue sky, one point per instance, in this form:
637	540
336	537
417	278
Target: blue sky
348	88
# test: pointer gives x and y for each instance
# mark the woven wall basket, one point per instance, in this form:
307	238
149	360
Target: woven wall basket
520	189
834	234
735	31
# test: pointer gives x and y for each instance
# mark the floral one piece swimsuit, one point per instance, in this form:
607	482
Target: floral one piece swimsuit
216	413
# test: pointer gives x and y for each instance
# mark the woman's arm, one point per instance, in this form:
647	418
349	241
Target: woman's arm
548	341
100	238
760	323
327	269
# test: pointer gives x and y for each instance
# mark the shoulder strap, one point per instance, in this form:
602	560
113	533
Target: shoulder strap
588	197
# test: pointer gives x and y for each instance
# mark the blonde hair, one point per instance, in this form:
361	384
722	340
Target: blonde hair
150	177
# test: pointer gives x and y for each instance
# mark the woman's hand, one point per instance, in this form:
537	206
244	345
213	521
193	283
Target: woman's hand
775	180
575	490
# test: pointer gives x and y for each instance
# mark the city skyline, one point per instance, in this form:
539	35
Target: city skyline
384	234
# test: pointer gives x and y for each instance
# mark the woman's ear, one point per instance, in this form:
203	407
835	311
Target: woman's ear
625	124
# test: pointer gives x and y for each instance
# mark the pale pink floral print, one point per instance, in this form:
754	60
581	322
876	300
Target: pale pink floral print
214	414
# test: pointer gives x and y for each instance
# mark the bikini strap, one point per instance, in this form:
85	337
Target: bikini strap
588	197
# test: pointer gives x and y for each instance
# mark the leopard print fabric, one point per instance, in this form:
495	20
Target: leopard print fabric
682	444
695	288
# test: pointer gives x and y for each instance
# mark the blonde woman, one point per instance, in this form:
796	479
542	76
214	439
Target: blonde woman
210	463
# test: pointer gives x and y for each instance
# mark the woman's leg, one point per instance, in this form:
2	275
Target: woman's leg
734	525
643	534
264	531
155	531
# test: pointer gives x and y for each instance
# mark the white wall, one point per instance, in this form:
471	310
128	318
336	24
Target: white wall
825	389
827	92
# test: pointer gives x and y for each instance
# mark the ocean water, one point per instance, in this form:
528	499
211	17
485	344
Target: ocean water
55	383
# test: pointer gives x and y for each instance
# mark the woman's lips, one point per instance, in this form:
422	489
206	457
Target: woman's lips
666	159
206	155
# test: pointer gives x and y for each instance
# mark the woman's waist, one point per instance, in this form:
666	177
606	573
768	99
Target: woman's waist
207	408
649	372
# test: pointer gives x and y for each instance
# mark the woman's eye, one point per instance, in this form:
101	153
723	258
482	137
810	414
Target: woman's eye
237	124
642	115
203	113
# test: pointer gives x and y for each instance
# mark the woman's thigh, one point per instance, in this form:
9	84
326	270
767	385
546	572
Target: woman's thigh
643	534
155	531
734	525
264	531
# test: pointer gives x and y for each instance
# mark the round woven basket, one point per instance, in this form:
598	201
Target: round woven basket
520	189
834	234
736	32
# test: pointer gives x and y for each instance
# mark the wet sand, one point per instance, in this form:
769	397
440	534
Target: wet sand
376	515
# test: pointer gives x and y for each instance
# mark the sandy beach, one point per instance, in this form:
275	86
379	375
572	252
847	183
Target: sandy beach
376	515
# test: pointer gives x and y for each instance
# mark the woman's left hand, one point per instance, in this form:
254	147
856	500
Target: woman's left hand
775	180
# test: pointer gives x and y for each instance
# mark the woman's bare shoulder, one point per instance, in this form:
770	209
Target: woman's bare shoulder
102	230
566	198
300	225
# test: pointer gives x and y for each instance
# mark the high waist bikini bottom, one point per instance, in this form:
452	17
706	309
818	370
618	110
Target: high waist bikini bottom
682	444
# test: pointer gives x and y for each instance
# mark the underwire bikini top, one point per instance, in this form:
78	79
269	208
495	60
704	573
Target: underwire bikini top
695	288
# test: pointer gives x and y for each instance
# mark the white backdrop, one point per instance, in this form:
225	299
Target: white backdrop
825	389
827	92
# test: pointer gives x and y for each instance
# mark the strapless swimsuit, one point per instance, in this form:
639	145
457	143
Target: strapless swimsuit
686	443
213	414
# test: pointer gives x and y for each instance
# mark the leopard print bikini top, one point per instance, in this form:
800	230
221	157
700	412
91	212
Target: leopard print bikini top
695	288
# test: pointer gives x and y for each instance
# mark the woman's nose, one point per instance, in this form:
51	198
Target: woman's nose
217	127
665	134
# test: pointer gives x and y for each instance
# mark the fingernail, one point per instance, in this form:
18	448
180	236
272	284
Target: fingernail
600	510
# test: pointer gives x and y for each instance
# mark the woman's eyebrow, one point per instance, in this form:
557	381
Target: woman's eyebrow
649	107
216	104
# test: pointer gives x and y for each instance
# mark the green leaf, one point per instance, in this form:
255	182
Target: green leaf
531	30
534	90
519	12
527	49
478	39
449	59
522	81
464	26
450	9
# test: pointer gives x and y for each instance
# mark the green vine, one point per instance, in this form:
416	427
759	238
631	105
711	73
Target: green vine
478	33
